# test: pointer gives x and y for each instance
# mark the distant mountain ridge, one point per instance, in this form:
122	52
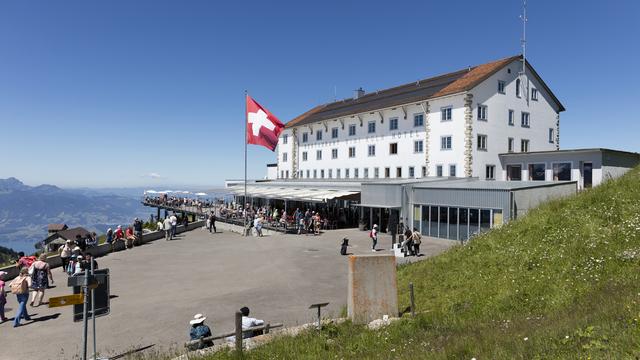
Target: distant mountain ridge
25	211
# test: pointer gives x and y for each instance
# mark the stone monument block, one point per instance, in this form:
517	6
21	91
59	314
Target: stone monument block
373	288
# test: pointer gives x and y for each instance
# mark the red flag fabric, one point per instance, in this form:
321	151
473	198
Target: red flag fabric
263	128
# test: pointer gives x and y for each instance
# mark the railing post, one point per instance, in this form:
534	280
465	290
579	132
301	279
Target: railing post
239	332
266	328
413	304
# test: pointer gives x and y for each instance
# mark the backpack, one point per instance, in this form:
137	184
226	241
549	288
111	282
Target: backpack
19	287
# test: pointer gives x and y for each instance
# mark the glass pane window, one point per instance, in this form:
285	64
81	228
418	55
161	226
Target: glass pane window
371	149
418	146
371	127
445	113
445	143
537	172
334	133
393	124
352	130
562	172
418	120
514	172
318	135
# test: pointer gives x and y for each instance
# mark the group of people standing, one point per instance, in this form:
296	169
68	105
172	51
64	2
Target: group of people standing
35	276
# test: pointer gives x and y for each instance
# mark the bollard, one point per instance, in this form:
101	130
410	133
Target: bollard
413	304
239	332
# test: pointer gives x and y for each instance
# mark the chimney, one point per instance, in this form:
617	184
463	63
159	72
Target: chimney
359	93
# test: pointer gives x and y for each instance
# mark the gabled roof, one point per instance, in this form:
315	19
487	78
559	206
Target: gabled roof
69	234
57	227
434	87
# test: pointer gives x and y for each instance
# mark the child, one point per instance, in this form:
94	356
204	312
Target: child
3	297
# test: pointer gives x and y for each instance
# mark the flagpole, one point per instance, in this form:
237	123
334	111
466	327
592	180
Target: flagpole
244	231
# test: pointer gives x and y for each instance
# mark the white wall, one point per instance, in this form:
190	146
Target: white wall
543	115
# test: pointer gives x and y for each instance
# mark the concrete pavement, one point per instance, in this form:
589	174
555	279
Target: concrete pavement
159	286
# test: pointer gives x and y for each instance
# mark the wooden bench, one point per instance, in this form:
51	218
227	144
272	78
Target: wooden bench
199	344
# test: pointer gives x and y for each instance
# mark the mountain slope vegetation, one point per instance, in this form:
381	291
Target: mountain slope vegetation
559	283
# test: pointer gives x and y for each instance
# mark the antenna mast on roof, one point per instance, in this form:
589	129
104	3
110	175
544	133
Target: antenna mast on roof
523	41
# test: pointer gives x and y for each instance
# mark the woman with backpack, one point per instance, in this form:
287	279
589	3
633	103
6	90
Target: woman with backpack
20	287
40	279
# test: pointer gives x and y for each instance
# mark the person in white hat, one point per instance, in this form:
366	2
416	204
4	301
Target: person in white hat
199	331
374	237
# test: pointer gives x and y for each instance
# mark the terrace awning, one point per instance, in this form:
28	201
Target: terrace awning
309	194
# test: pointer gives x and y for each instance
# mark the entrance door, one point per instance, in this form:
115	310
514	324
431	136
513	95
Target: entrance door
587	175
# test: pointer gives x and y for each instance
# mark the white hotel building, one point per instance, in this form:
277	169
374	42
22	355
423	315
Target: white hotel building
452	155
452	125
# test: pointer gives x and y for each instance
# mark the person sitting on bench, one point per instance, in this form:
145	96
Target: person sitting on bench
248	322
199	331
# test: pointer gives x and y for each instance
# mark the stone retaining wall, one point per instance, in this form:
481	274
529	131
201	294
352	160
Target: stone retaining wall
102	250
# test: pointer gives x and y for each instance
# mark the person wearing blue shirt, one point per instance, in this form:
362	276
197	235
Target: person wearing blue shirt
199	330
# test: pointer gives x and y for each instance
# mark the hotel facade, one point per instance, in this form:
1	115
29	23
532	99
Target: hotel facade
452	125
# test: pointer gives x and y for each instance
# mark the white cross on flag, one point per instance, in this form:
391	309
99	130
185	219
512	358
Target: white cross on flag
263	128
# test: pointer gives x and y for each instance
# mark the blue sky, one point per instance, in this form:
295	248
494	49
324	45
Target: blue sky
112	93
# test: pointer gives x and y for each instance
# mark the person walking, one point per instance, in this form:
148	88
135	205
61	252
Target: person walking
3	297
417	240
20	287
174	225
374	237
212	218
40	279
167	229
65	254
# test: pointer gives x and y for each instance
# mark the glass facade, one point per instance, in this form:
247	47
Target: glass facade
454	223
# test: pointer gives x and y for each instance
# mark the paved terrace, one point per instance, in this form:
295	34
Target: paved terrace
159	286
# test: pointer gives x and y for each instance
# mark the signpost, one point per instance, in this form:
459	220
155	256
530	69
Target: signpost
95	282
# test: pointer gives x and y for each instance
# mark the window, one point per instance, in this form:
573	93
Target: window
346	173
285	138
537	172
445	143
307	174
337	173
393	124
305	137
371	150
514	172
352	130
398	172
366	173
376	173
452	170
439	171
524	145
490	173
445	113
534	94
418	146
315	173
352	152
418	120
412	172
304	156
330	173
334	153
500	86
284	157
319	135
424	171
322	174
355	173
281	174
510	146
511	117
482	112
525	119
387	172
552	138
482	142
562	172
286	174
518	88
334	133
318	154
371	127
393	148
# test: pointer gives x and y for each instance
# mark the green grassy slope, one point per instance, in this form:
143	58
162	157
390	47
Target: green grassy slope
561	282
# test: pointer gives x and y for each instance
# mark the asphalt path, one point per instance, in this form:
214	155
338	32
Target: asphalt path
158	287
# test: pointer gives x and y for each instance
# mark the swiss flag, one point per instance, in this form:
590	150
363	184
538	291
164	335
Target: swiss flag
263	128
